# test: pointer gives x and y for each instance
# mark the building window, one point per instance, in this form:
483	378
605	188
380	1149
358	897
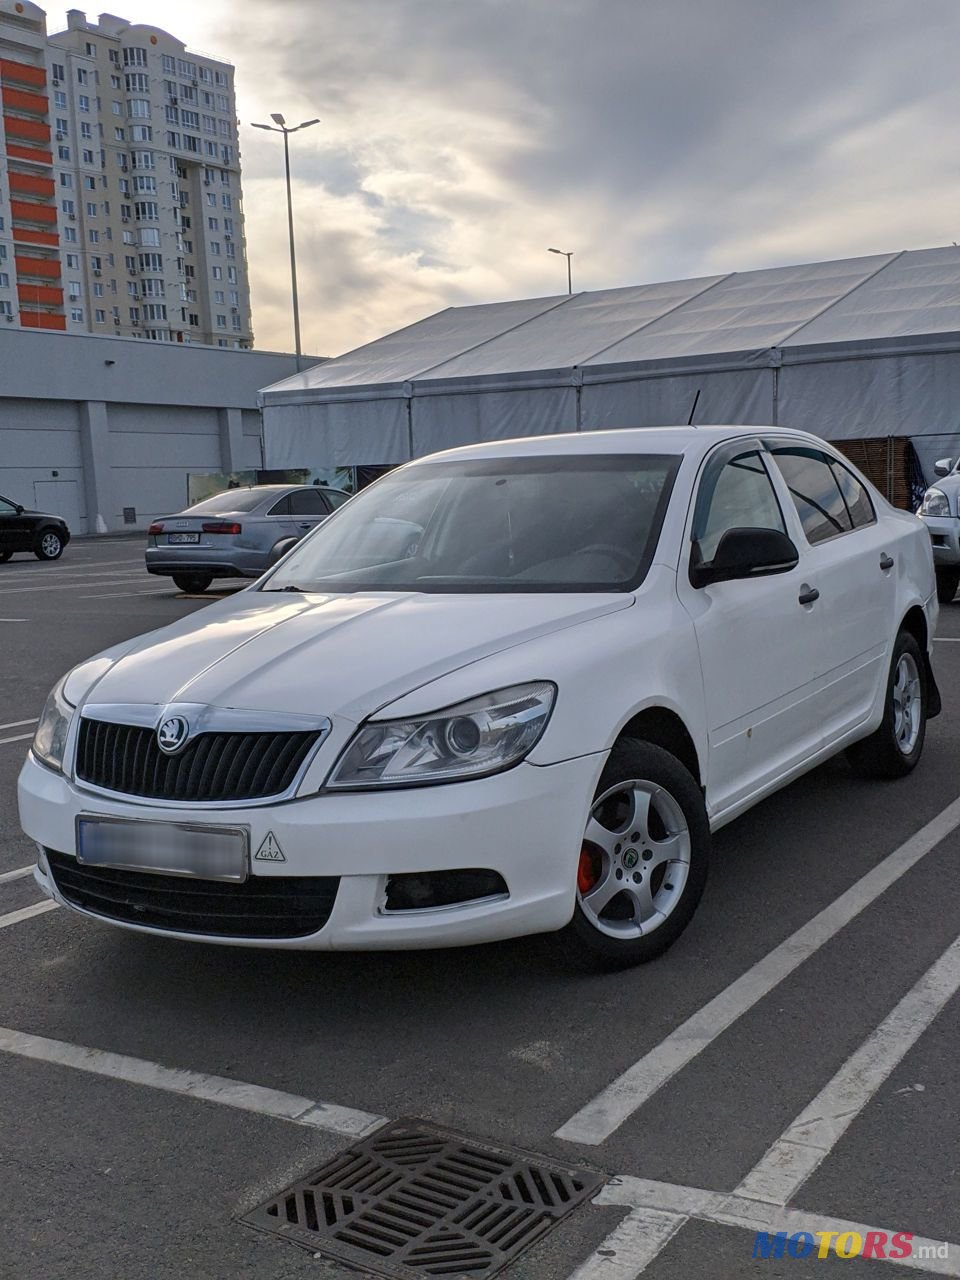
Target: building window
87	155
173	139
221	78
209	124
225	128
135	57
4	280
155	311
81	75
226	200
223	102
210	149
169	64
137	82
190	143
147	210
94	237
83	102
76	313
218	297
151	262
141	133
139	107
134	315
73	261
91	209
69	233
86	131
116	82
190	119
150	237
144	160
60	101
58	72
215	248
90	49
118	135
6	308
115	56
73	289
221	322
145	182
213	224
90	183
69	208
212	199
66	179
100	317
188	93
188	69
236	323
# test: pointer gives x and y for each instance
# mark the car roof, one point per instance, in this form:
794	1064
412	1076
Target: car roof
669	439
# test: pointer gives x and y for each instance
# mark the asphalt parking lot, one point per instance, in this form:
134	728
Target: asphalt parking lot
789	1066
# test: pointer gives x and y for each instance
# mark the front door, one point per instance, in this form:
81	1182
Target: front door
9	526
756	637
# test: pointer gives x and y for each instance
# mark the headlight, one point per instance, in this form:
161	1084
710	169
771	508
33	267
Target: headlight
51	736
935	503
479	737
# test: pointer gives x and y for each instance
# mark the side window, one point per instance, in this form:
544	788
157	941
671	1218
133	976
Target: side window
6	508
281	508
737	495
307	502
335	497
855	496
815	490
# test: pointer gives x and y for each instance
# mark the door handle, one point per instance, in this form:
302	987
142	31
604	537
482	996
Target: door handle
886	562
808	595
304	525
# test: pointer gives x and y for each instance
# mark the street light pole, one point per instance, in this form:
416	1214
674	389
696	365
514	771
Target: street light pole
563	254
281	127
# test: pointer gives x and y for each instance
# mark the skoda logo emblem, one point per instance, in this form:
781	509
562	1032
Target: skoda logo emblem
172	734
630	858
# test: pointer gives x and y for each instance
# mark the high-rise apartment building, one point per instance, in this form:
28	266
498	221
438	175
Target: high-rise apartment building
120	201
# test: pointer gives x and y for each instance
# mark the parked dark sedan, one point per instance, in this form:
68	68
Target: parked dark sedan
37	531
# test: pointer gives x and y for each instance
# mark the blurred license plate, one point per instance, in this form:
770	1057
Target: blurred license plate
183	537
175	848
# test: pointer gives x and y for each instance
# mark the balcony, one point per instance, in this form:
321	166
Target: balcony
42	320
27	235
29	130
20	73
44	268
32	154
26	211
27	184
39	295
34	104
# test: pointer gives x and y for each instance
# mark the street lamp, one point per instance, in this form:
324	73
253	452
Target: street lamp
563	254
280	126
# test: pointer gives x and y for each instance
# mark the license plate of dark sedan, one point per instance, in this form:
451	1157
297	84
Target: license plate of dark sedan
171	848
178	538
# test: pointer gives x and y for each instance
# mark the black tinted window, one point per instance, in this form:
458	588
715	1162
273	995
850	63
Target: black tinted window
815	491
281	508
228	501
308	502
855	496
335	497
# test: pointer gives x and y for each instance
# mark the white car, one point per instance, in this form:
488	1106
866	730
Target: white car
591	651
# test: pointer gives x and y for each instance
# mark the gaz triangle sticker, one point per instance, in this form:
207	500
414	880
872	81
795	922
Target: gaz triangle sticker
270	851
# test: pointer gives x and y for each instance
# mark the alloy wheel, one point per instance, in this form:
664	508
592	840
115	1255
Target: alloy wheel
907	695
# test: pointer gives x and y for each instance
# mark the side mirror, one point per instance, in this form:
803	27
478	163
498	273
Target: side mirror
943	467
747	553
20	510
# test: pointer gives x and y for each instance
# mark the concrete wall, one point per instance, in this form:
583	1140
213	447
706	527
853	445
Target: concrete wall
90	425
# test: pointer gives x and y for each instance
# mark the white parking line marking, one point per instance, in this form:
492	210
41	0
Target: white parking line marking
19	737
25	913
602	1116
118	595
799	1151
194	1084
659	1209
17	724
19	874
61	586
14	619
946	639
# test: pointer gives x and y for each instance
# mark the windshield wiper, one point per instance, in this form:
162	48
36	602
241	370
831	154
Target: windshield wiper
277	590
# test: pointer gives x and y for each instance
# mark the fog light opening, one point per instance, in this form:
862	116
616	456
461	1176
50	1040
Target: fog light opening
423	890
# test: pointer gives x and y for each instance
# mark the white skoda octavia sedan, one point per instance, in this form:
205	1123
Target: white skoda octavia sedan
525	712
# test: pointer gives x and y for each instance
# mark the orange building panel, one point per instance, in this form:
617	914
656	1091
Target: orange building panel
21	73
16	152
19	100
31	185
39	295
33	130
47	268
26	235
24	211
42	320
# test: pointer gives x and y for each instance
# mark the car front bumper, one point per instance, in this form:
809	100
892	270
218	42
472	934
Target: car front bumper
945	539
526	824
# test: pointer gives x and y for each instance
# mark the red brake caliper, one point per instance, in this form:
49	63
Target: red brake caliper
587	874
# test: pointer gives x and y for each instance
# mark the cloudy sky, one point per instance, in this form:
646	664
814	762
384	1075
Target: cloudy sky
654	138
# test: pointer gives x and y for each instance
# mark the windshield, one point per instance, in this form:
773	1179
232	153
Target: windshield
560	523
232	500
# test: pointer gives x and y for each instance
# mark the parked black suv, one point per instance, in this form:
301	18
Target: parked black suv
22	530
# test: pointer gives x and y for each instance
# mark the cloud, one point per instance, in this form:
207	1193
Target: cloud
654	138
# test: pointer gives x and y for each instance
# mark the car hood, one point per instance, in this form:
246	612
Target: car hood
44	515
346	655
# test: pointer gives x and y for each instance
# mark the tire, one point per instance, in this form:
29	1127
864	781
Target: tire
643	791
5	556
193	584
895	748
948	580
49	545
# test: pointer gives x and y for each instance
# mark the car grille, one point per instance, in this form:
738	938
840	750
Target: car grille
213	767
260	907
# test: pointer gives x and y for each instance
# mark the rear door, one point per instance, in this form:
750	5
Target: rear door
309	508
756	637
852	560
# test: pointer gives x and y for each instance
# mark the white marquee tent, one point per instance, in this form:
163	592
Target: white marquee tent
856	349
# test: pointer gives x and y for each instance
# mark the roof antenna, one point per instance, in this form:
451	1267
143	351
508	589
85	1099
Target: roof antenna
693	410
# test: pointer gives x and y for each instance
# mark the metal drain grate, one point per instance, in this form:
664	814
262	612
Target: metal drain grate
414	1201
